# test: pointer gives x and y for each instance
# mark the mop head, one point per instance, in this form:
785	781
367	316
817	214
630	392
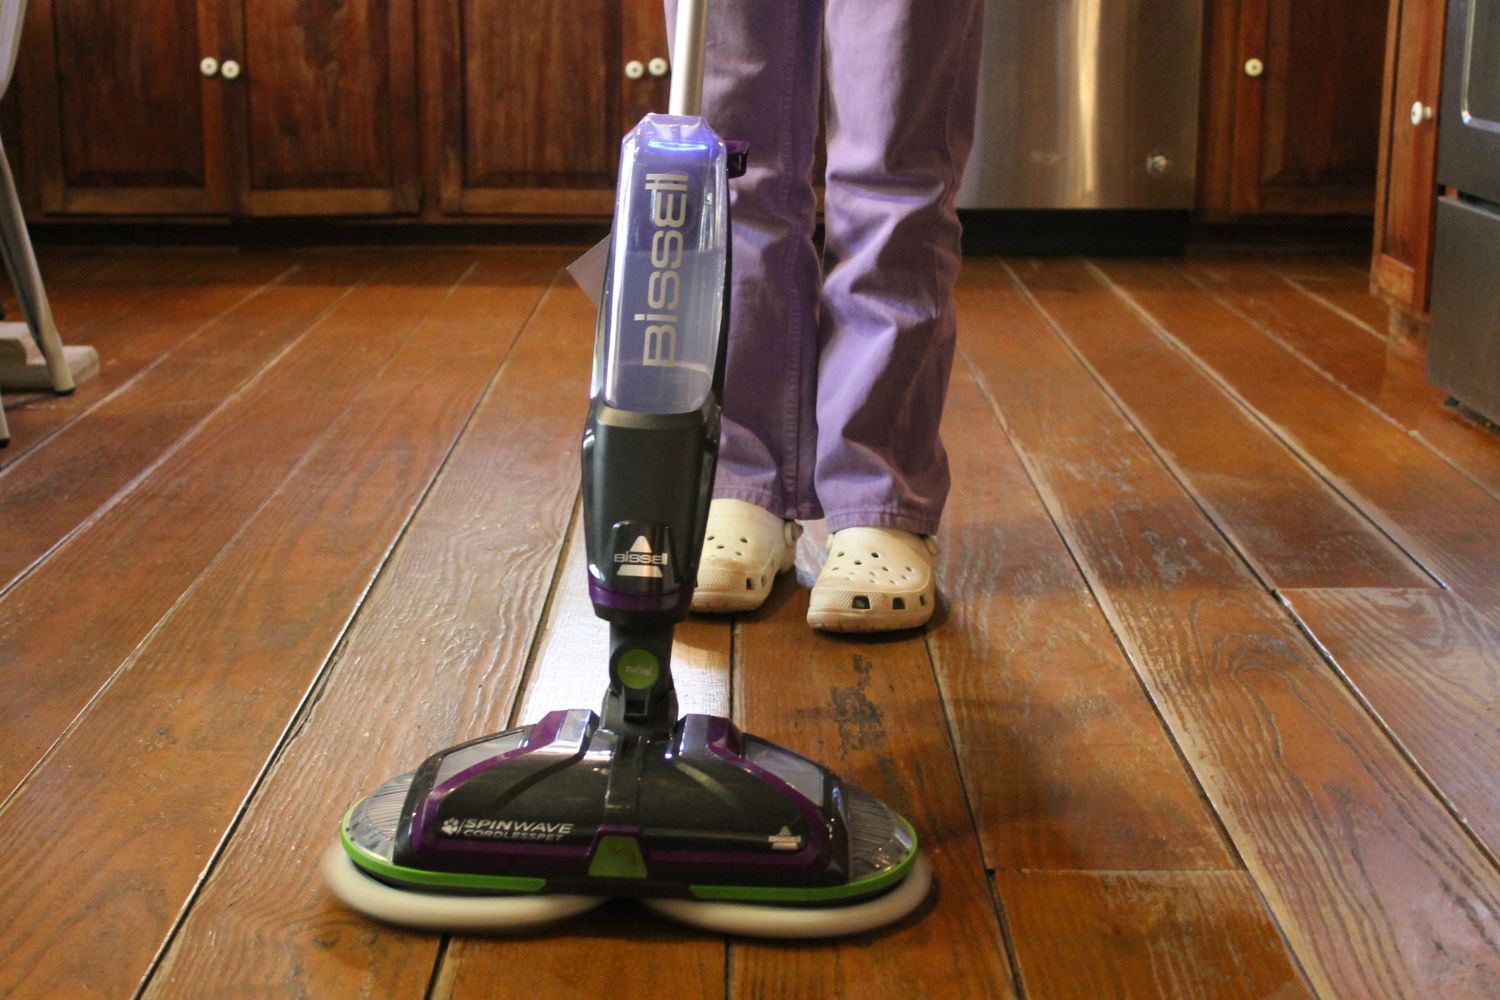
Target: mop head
705	825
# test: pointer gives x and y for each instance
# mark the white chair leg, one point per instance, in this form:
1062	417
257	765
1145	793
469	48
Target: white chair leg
20	261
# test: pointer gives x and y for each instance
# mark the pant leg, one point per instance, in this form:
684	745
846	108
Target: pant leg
902	77
762	73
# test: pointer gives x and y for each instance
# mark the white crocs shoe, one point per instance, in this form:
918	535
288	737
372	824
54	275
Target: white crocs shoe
874	580
744	547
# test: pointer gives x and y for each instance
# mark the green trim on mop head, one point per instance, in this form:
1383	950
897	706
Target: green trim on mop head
378	866
869	885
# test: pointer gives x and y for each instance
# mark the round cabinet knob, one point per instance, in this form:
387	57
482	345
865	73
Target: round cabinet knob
658	66
1420	113
230	69
1157	164
635	69
1254	67
209	66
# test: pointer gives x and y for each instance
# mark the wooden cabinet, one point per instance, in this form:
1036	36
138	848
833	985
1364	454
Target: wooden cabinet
115	114
210	107
1407	188
529	99
323	117
1292	112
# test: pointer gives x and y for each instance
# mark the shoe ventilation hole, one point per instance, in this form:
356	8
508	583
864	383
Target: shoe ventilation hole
922	599
861	603
898	604
858	563
710	538
738	553
838	555
718	546
763	580
749	583
744	541
874	555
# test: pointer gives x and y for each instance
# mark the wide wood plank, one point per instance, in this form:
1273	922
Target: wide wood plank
105	448
98	596
1343	351
870	709
134	314
1380	892
177	739
1129	935
435	656
89	287
1342	288
620	949
1291	527
1434	511
1064	759
1428	665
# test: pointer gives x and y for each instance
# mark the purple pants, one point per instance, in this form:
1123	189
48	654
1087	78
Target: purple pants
837	370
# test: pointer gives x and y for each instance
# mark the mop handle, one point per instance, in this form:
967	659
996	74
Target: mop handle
687	62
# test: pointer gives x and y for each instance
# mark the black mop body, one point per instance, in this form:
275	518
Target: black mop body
701	822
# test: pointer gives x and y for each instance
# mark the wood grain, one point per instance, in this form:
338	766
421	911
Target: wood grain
1065	763
180	736
1394	386
1378	889
156	403
1428	665
515	59
92	602
326	112
1306	132
1286	522
435	655
1139	935
133	312
1405	208
620	949
1343	289
870	709
119	111
1434	511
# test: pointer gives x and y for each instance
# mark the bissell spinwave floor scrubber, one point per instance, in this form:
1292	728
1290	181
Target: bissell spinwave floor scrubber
701	822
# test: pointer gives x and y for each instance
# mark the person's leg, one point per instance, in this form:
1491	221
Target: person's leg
902	78
762	73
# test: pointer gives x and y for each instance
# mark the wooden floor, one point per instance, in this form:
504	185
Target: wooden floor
1211	707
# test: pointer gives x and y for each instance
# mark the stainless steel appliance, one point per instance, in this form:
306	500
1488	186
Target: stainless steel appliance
1464	332
1087	104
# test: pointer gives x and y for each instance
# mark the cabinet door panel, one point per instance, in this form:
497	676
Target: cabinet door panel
1307	130
1407	201
327	118
644	35
116	114
526	101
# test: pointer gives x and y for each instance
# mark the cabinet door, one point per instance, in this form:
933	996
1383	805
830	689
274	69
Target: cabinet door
524	97
643	31
116	115
1407	192
323	109
1307	125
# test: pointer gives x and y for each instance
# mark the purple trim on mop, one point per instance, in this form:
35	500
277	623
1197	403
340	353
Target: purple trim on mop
543	734
616	600
721	740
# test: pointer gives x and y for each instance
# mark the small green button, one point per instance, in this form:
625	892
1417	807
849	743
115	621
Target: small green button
617	857
638	669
